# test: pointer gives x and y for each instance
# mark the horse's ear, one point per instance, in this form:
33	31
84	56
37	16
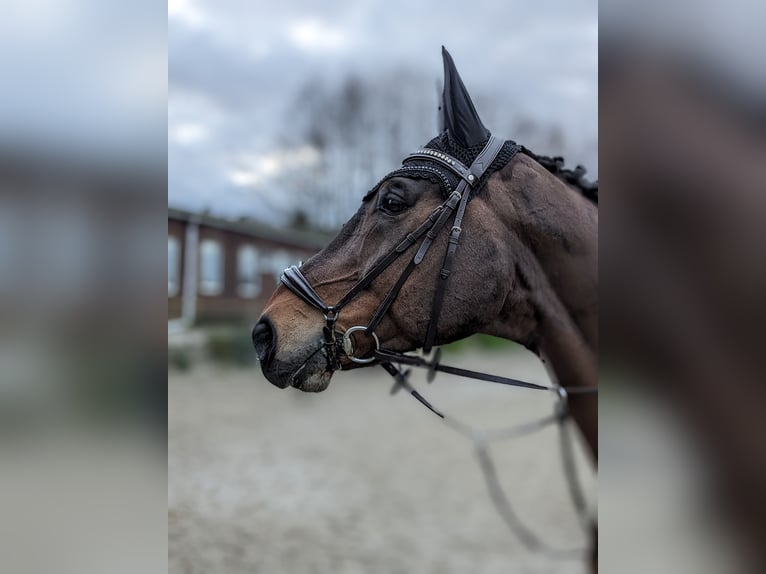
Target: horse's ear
458	115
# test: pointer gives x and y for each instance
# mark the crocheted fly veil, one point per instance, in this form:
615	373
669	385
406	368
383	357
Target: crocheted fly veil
463	137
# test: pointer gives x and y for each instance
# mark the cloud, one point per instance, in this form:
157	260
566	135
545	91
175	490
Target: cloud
238	67
187	133
187	12
255	169
313	35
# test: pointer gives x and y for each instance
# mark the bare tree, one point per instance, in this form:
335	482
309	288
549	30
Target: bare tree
362	127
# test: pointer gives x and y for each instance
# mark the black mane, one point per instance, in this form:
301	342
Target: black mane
574	177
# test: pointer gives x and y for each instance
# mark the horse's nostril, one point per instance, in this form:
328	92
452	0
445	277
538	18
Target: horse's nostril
264	340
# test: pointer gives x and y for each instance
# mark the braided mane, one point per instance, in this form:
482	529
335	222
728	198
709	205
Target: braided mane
574	177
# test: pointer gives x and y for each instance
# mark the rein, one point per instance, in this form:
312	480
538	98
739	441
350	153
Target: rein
339	345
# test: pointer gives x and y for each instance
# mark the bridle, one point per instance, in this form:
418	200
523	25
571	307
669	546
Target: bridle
337	345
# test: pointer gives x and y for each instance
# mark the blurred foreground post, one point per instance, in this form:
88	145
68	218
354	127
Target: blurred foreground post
83	396
683	276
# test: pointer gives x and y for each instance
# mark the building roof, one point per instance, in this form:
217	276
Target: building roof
298	237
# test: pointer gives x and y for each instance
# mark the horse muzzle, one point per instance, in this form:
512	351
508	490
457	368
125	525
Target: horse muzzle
304	368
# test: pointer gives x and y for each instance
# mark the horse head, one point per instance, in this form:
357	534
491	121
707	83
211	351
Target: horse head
523	265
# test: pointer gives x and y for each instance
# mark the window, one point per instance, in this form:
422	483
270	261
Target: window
174	267
211	267
248	272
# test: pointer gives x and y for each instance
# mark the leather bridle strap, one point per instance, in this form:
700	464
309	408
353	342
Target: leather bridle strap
434	365
294	280
470	177
298	284
477	169
383	263
447	208
457	201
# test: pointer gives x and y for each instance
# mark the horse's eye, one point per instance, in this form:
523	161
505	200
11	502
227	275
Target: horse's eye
392	204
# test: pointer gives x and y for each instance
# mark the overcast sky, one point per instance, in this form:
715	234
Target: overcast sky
235	67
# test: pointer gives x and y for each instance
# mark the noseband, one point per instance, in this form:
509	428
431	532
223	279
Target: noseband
340	344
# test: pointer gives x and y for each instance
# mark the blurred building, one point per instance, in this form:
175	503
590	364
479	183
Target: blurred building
225	270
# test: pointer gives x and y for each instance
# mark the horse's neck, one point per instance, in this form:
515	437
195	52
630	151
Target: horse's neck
553	236
572	361
574	364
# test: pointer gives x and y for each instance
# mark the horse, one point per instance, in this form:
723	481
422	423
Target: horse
519	262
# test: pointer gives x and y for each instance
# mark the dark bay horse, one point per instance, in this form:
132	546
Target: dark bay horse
525	270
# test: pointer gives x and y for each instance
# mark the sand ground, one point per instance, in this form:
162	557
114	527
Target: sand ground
353	481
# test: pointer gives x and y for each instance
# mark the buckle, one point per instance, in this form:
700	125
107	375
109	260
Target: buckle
330	315
562	402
